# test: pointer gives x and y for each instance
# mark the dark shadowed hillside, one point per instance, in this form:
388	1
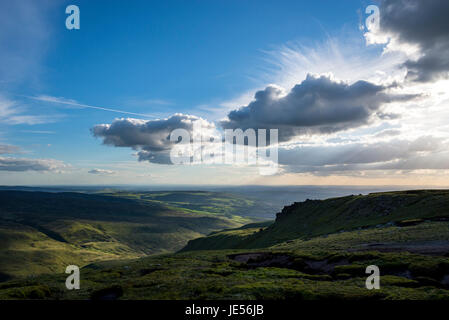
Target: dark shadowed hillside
311	218
42	232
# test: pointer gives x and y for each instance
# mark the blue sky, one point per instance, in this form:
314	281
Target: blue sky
150	60
156	57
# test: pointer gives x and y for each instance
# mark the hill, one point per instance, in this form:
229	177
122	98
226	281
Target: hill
330	267
43	232
405	234
311	218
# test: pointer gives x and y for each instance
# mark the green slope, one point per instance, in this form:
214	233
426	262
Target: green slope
43	232
313	218
406	234
25	251
330	267
226	239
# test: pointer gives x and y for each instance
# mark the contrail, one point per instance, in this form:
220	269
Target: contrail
81	105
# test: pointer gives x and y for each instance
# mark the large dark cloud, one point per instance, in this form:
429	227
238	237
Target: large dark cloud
422	153
316	105
149	137
23	164
421	23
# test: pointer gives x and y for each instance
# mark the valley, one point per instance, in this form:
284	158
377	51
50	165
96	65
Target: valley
314	250
48	231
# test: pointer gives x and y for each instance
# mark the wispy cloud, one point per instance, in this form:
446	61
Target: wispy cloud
25	31
9	149
38	131
12	113
289	64
24	164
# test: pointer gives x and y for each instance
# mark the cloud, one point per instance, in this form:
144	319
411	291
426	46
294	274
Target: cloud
396	154
39	131
24	34
288	64
23	164
101	172
420	28
159	157
318	105
149	137
6	148
12	113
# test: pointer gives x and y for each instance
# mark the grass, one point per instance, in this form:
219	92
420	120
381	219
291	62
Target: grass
314	218
361	239
325	262
226	239
48	231
26	251
213	274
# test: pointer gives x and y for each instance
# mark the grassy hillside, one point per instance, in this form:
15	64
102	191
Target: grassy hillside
226	239
44	232
313	218
330	267
405	234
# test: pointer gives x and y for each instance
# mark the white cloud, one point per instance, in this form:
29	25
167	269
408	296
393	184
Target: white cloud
393	157
24	164
101	171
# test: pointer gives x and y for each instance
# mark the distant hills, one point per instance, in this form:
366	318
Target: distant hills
41	232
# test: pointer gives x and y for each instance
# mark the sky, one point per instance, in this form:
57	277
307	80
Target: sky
354	102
